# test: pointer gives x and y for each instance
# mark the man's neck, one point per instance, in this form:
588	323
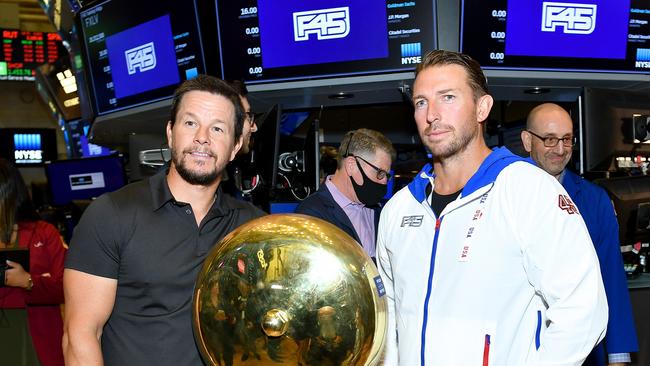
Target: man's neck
199	197
342	182
453	173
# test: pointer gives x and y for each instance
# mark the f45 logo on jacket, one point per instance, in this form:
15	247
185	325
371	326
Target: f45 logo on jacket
565	203
412	221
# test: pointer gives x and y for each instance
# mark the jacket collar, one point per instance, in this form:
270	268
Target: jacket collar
486	174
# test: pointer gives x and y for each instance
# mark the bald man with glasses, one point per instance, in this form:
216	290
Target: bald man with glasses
350	197
549	139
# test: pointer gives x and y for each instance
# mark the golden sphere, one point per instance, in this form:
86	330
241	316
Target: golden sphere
289	289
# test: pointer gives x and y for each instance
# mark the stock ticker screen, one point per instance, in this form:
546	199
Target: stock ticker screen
573	35
23	52
140	58
269	41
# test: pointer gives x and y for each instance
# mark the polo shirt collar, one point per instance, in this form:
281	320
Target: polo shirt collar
161	194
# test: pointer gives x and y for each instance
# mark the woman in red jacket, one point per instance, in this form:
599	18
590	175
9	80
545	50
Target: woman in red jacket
31	327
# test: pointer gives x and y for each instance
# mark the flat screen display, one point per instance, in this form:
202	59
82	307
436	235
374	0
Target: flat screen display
84	179
139	58
271	41
572	35
28	146
23	52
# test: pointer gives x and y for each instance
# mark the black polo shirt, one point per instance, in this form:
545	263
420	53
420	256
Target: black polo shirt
148	241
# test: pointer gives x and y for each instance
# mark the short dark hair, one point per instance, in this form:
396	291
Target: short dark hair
475	76
214	86
239	87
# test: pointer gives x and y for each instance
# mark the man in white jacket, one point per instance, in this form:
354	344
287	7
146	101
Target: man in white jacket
484	257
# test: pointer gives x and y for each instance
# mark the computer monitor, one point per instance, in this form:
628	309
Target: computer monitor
266	145
609	127
631	197
280	41
27	147
507	34
84	179
312	156
137	52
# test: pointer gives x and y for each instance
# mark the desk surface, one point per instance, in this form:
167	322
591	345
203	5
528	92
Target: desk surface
642	281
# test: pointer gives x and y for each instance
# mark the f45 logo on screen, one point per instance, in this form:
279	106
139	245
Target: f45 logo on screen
140	58
324	23
571	18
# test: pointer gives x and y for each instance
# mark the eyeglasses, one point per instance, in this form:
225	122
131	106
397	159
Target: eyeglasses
551	141
250	117
381	173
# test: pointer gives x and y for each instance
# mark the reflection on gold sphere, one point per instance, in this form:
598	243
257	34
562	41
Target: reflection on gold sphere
275	323
289	290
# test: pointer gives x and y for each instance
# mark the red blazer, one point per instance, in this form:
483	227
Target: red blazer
46	255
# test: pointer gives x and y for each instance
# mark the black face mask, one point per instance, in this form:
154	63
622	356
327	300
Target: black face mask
370	192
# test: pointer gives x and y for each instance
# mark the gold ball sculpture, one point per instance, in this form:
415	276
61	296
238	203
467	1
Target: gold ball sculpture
289	289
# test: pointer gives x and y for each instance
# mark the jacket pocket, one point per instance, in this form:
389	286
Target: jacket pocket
460	341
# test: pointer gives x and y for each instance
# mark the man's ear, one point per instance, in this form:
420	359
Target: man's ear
168	131
349	164
483	107
526	138
238	145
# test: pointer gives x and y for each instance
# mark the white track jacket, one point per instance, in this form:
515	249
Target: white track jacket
507	275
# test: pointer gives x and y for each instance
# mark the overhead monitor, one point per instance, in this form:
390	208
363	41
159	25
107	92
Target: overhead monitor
273	41
84	179
576	35
23	51
140	58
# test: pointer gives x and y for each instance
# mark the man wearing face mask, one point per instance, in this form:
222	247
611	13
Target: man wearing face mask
350	197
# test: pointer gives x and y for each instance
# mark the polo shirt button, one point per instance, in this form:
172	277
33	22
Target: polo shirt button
188	211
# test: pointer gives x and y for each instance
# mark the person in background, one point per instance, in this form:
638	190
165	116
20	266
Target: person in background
350	197
136	252
328	162
549	139
31	327
249	122
239	179
473	253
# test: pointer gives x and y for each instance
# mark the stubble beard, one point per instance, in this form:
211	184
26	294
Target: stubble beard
457	145
192	177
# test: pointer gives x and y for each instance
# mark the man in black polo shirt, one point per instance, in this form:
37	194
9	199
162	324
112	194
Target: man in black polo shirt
136	252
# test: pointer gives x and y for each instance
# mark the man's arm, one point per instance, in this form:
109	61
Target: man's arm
89	302
390	356
621	337
561	263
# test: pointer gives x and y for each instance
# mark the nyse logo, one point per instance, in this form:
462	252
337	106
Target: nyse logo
642	58
571	18
412	221
324	23
142	57
411	53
